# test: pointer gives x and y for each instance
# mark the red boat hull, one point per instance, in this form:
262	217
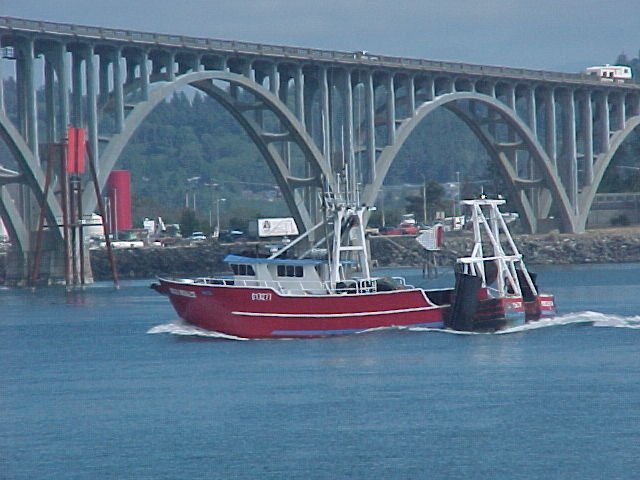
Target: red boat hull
250	312
263	313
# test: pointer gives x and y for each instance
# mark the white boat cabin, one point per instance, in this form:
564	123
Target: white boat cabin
296	276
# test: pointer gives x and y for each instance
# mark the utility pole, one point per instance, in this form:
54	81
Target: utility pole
216	233
424	199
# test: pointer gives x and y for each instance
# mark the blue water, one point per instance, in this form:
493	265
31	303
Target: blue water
109	384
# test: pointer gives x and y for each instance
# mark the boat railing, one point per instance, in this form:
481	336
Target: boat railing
300	287
294	287
402	283
357	285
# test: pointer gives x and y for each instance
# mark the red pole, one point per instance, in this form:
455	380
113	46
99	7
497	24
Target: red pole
64	182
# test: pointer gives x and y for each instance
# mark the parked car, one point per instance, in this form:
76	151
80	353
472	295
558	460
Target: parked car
402	229
198	237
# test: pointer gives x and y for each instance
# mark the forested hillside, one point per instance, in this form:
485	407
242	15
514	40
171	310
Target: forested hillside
188	137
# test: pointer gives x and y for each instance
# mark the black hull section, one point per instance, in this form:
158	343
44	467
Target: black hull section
465	302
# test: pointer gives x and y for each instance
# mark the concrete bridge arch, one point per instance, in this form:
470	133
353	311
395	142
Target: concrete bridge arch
30	177
600	167
291	131
463	105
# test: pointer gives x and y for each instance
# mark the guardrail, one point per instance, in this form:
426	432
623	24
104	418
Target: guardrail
249	48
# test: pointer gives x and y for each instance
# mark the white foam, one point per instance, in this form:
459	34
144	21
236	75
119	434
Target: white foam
181	328
594	319
443	330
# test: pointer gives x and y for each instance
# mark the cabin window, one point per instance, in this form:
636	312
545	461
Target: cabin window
290	271
243	269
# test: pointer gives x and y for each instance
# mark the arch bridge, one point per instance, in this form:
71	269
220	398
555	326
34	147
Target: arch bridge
314	115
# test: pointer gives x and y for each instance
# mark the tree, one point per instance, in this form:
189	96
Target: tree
188	222
433	194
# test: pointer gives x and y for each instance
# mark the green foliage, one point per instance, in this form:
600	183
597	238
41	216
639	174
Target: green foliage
623	173
433	196
188	222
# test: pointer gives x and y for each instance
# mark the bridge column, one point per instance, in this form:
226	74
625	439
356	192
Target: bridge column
587	136
325	113
370	127
274	79
550	125
430	88
92	103
530	100
144	74
170	66
391	110
411	95
283	95
532	122
31	107
131	62
299	89
618	111
61	62
569	147
347	111
103	77
118	90
310	121
76	81
49	94
510	101
283	91
603	124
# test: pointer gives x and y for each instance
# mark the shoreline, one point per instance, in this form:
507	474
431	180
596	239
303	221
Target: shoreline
610	246
620	245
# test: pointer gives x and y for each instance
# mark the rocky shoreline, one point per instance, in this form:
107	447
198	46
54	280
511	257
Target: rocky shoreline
611	246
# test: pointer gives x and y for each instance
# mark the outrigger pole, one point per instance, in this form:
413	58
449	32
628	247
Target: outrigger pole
105	226
71	161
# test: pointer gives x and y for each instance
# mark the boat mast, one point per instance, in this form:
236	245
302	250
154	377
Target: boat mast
493	225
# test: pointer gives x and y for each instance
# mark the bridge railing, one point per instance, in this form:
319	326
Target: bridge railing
241	47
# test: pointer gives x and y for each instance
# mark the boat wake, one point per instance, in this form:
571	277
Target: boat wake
593	319
184	329
587	318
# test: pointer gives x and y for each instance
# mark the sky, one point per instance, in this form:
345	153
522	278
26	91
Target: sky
558	35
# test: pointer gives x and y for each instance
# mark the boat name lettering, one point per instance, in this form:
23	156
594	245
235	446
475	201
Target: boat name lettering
182	293
262	297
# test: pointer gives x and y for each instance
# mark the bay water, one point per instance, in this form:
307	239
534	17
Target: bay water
110	384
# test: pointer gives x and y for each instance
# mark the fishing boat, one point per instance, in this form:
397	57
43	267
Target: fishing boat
331	291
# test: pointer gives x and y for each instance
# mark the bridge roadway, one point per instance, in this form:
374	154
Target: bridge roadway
552	134
54	31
